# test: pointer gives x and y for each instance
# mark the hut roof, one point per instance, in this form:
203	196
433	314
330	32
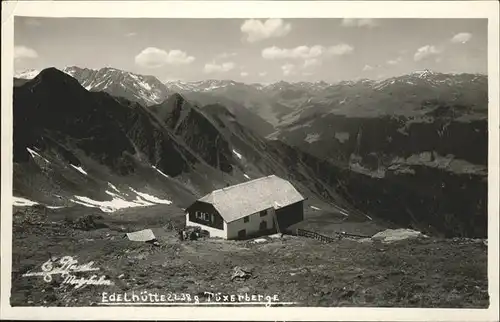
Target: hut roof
241	200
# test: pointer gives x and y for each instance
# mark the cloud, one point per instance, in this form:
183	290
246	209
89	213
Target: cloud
288	69
367	68
218	68
225	55
311	62
461	38
152	57
262	74
257	30
394	61
305	52
21	52
426	52
341	49
311	55
368	23
131	34
243	74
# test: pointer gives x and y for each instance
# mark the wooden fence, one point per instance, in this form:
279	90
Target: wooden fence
314	235
323	238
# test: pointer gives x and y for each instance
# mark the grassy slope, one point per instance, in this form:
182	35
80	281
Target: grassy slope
425	273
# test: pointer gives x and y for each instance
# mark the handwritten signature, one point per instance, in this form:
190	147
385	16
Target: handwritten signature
67	266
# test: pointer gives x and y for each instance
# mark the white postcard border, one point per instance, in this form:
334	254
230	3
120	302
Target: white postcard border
249	9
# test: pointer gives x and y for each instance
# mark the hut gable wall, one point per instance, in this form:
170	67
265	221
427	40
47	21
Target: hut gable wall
205	214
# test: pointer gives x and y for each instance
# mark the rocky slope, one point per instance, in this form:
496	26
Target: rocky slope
195	129
71	142
240	112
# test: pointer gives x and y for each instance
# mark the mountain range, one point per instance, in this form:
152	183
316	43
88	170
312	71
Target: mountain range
279	104
410	149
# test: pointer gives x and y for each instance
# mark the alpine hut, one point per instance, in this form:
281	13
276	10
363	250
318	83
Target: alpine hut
255	207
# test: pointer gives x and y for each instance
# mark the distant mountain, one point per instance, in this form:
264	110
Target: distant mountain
282	103
201	86
27	74
211	85
146	90
252	97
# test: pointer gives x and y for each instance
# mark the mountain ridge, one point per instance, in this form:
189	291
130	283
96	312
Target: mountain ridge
216	83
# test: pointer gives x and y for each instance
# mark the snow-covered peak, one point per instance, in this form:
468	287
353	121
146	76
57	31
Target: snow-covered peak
144	89
200	86
423	73
27	74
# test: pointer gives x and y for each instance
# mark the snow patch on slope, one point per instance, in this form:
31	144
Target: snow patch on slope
80	169
113	187
114	195
159	171
112	205
237	154
23	202
34	154
118	202
152	198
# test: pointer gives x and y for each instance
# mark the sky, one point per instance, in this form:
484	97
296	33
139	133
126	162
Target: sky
254	50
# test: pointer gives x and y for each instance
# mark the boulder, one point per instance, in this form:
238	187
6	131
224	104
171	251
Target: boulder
394	235
240	273
145	235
